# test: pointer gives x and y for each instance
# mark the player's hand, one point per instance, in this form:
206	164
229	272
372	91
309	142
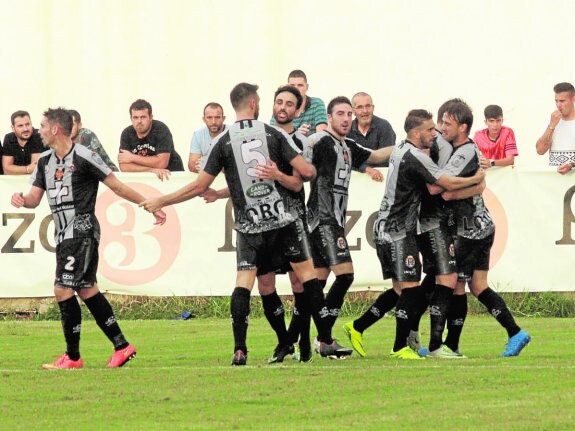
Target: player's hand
374	174
269	171
152	205
555	117
304	129
18	200
160	217
210	195
565	168
162	174
125	156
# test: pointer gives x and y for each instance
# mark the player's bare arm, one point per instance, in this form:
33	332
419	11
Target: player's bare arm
306	170
464	193
380	155
29	200
270	171
448	182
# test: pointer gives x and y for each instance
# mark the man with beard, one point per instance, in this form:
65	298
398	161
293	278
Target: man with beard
202	138
22	146
334	156
147	145
263	220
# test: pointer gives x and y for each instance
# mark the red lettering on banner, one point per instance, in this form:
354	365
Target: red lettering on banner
130	271
501	227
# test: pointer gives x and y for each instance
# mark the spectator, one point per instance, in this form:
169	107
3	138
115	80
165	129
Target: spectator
202	138
311	117
88	139
559	136
147	145
22	146
496	142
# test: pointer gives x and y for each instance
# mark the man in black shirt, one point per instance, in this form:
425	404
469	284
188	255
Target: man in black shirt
147	145
22	146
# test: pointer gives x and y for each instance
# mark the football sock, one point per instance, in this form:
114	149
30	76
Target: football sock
104	316
240	314
438	309
384	303
455	320
404	311
71	317
336	295
498	309
316	301
299	318
275	314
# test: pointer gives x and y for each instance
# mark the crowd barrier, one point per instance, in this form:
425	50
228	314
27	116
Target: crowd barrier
193	253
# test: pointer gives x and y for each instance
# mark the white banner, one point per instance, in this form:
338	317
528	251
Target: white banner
193	253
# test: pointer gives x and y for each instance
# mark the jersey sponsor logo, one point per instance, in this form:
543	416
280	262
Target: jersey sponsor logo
67	276
83	223
259	190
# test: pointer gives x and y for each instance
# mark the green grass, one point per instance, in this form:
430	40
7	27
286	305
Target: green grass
182	380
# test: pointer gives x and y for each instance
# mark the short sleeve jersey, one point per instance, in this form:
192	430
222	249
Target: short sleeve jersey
333	160
260	205
23	155
434	209
71	186
158	141
409	171
471	215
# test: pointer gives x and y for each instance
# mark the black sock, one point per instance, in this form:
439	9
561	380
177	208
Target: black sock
299	318
427	287
498	309
421	302
404	311
104	316
336	295
455	321
240	314
384	303
438	310
316	301
274	312
71	317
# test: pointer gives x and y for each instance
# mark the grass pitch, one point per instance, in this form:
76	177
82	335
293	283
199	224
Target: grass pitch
182	380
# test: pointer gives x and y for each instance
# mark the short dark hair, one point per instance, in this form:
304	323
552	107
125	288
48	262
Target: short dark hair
297	74
241	93
62	117
493	111
139	105
290	89
75	115
18	114
415	118
444	107
461	112
213	105
564	87
337	101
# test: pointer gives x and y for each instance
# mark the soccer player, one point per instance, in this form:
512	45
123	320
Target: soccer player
70	174
395	228
263	220
475	227
334	156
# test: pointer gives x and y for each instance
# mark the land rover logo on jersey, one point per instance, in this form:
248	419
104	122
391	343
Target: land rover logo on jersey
341	243
458	160
259	190
409	261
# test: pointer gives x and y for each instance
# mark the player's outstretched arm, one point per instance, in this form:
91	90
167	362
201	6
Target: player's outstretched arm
189	191
29	200
304	169
211	195
448	182
380	155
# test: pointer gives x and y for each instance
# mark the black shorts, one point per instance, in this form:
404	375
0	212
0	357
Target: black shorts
76	263
438	251
472	254
329	246
277	261
400	259
265	250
